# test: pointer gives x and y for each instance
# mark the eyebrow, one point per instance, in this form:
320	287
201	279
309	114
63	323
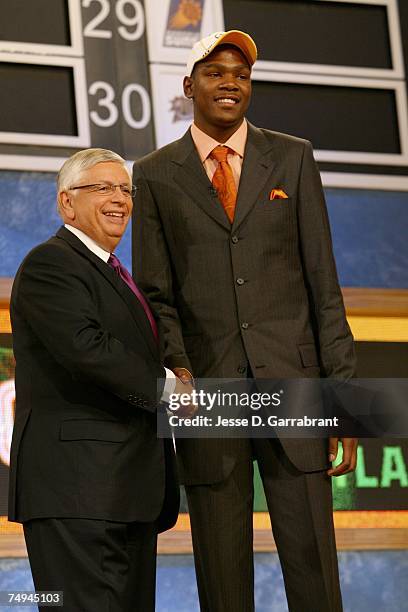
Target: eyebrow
107	182
219	65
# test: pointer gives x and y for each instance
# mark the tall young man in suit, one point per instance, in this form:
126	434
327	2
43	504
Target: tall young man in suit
243	278
90	481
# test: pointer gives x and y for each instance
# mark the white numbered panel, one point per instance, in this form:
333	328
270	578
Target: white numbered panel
74	74
375	85
391	30
73	47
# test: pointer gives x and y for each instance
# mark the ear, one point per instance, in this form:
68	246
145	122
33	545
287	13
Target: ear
65	205
188	87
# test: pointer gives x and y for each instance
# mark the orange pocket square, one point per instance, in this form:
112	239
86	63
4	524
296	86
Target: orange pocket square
278	194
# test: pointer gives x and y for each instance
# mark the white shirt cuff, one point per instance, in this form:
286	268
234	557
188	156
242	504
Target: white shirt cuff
169	386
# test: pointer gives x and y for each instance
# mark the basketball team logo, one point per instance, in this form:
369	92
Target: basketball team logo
181	109
183	27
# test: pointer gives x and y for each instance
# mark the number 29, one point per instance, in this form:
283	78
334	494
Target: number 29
132	26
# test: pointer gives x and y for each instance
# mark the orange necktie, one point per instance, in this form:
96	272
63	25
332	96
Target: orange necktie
223	181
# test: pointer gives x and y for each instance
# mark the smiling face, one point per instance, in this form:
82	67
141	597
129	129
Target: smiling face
101	217
220	87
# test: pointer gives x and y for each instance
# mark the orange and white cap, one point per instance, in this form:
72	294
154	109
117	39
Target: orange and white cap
203	47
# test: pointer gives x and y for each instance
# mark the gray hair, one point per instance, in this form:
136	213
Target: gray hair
83	160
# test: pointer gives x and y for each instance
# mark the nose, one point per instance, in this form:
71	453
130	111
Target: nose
229	83
118	195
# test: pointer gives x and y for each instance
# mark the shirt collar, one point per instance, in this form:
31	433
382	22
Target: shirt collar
89	243
205	144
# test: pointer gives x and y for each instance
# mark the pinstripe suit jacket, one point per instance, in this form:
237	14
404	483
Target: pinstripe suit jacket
187	257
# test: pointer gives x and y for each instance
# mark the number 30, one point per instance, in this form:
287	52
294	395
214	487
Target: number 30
108	102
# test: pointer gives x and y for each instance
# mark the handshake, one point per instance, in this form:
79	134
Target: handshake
184	385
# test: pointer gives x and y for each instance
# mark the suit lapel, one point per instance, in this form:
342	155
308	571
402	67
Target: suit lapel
135	308
191	177
257	167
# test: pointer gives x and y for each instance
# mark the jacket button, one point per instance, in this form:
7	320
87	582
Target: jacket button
241	369
245	325
234	239
240	281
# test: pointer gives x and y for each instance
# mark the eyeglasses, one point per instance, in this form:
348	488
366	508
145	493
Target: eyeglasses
104	189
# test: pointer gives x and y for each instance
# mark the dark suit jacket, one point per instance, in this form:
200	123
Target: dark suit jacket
263	291
84	441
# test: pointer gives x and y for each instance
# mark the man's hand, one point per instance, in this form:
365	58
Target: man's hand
184	386
349	461
184	375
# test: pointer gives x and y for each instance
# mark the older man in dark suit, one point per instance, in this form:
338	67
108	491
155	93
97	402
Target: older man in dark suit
90	481
243	278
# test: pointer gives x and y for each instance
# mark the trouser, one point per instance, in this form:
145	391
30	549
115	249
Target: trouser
300	507
99	565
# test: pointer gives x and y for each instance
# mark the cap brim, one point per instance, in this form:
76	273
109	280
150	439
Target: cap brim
242	41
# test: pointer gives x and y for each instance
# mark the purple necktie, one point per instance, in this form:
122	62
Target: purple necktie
121	271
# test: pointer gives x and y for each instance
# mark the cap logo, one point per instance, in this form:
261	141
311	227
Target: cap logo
211	46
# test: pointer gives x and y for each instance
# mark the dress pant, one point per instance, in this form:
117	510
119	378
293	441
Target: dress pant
300	506
101	566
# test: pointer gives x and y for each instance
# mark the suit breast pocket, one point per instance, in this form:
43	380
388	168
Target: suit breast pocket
279	205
